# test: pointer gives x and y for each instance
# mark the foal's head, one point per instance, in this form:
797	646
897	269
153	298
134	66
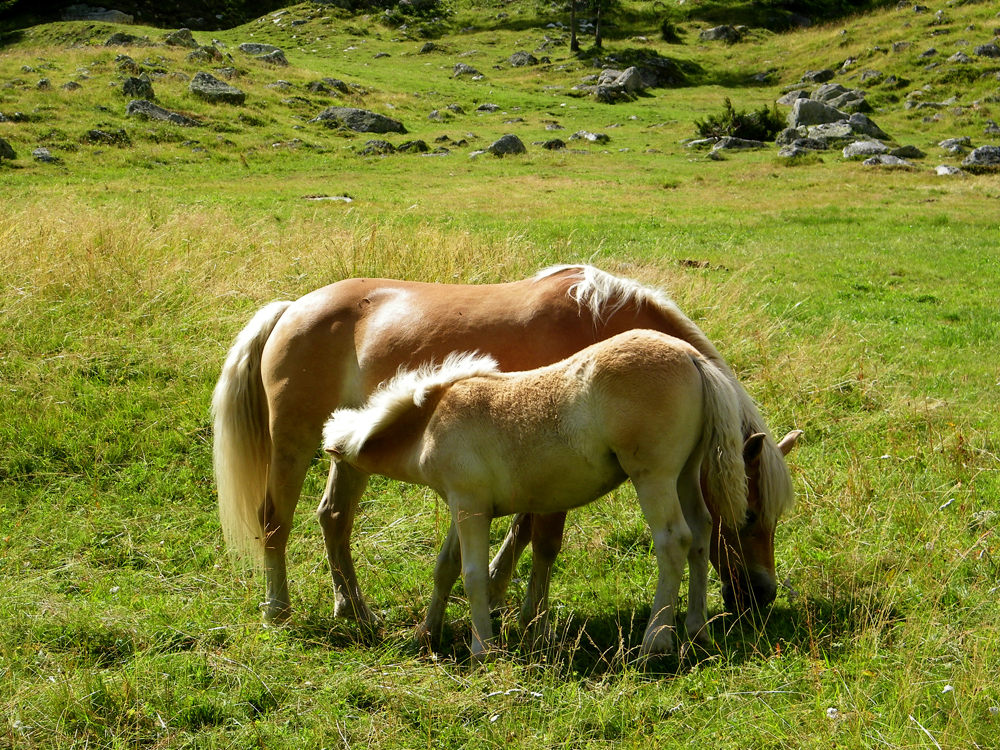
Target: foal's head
744	557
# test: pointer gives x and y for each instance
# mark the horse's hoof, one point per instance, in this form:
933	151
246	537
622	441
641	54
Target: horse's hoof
356	611
275	614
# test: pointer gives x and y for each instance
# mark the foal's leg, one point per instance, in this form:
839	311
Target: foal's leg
446	571
474	534
336	511
546	541
699	521
502	566
671	541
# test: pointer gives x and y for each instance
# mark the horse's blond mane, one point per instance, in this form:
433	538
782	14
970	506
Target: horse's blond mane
602	295
347	430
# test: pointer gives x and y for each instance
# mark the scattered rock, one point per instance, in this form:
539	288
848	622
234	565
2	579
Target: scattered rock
205	54
818	76
984	156
521	59
82	12
138	88
44	85
555	144
507	145
945	170
722	33
359	120
143	108
960	57
115	138
792	96
987	50
908	152
885	160
71	86
583	135
45	156
991	128
122	39
861	123
6	151
274	58
864	148
487	107
428	48
256	48
729	143
461	69
808	112
417	146
211	89
378	148
181	38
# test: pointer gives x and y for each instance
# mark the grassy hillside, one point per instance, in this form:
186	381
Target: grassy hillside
857	304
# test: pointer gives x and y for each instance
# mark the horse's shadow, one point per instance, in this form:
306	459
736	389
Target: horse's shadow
608	643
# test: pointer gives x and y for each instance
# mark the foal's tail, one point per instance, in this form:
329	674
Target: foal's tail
722	465
242	447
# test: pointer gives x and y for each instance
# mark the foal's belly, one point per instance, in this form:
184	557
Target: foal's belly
561	486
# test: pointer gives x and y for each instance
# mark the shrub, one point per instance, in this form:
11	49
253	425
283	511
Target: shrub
761	125
669	32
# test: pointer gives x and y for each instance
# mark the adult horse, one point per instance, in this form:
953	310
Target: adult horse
641	405
296	362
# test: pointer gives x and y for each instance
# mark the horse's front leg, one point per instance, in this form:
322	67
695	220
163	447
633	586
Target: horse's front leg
671	542
546	541
699	521
446	572
474	534
336	511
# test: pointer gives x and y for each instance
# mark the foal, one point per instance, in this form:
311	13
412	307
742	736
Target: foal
641	405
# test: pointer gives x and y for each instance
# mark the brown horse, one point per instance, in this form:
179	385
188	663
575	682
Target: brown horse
296	362
641	405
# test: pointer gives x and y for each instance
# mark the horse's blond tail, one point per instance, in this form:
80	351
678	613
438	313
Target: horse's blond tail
242	444
722	465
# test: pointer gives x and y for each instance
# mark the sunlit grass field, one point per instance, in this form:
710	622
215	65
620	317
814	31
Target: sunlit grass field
857	305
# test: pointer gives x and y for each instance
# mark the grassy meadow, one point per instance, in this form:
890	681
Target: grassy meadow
856	304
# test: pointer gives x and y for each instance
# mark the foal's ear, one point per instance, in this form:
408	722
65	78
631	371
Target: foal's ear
788	442
752	448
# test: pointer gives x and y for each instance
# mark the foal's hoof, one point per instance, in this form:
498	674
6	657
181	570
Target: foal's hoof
357	611
275	614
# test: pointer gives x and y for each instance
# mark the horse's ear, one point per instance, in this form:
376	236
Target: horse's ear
788	442
752	448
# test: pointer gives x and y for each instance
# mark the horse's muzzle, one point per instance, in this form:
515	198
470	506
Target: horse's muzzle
750	589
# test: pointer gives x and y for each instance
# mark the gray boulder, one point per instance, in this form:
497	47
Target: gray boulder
583	135
256	48
555	144
148	110
138	88
792	96
521	59
908	152
121	39
461	69
274	58
182	38
729	143
211	89
984	156
818	76
885	160
864	148
809	144
720	34
960	57
861	123
946	170
630	80
487	107
205	54
378	148
44	155
6	151
507	145
359	120
808	112
988	50
83	12
832	132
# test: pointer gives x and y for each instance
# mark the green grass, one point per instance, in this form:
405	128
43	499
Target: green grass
857	305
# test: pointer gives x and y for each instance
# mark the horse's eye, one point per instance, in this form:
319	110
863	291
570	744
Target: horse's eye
751	520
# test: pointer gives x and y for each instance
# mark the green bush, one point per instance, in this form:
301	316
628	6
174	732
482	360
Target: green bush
761	125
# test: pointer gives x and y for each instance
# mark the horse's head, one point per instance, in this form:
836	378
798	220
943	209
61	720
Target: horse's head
744	557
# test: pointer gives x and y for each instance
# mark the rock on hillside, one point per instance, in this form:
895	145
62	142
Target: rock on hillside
359	120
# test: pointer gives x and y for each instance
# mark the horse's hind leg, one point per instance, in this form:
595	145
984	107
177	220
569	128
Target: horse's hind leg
671	541
284	483
699	521
502	566
446	572
546	541
336	511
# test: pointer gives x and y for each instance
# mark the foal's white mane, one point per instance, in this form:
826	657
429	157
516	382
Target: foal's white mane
347	430
602	295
